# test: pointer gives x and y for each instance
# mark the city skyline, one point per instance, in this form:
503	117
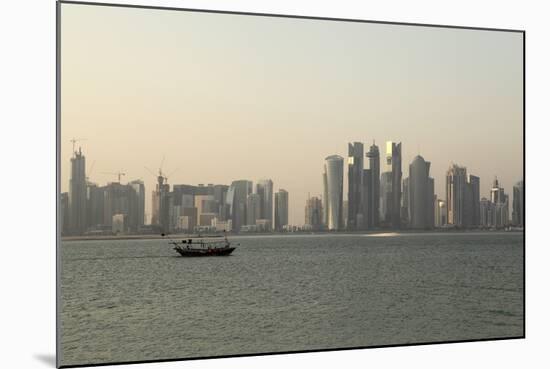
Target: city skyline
261	204
215	123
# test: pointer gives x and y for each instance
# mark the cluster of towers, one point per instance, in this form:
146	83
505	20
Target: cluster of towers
92	209
117	208
373	198
385	199
239	207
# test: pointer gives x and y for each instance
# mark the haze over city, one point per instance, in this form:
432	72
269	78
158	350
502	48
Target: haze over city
224	98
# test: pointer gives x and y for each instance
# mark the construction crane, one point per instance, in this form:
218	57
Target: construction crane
118	174
74	141
161	176
89	172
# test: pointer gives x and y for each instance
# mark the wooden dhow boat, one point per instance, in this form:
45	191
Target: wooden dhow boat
203	246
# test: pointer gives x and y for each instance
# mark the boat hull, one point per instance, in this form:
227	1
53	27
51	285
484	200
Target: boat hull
222	251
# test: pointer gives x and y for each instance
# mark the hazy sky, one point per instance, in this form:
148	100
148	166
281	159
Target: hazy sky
227	97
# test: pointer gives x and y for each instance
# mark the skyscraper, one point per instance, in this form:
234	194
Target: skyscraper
281	209
367	200
385	198
421	194
474	184
220	194
405	203
497	192
77	194
253	208
455	195
373	207
355	185
120	199
486	213
517	205
264	188
463	204
95	206
236	199
314	214
499	199
325	198
161	204
393	163
334	187
139	188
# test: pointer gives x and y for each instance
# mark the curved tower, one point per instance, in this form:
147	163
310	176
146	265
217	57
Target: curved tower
421	193
334	174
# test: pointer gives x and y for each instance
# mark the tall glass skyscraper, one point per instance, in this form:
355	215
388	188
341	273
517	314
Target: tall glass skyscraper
355	186
463	198
372	211
393	163
236	199
139	188
517	205
420	194
455	190
281	209
264	188
334	190
385	198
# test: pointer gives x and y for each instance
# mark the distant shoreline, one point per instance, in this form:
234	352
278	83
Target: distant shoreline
382	232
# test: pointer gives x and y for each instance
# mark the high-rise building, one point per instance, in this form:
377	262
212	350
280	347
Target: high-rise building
355	185
500	204
220	195
121	200
345	213
420	194
517	205
78	194
314	214
367	200
95	206
139	189
281	209
455	195
486	213
393	164
385	198
264	188
237	196
161	204
474	184
372	215
325	198
463	204
253	208
497	192
334	187
405	203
